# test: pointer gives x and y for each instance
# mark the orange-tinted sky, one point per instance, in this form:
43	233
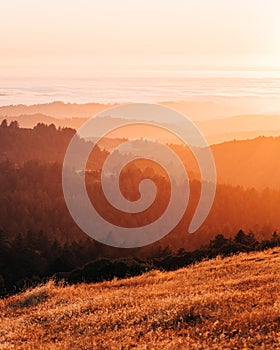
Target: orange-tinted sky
62	37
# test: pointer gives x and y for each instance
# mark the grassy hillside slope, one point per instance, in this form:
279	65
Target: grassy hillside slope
231	303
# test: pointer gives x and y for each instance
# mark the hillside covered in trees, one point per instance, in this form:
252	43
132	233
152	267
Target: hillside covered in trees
32	198
39	238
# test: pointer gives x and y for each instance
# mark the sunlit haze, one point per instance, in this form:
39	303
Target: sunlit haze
89	38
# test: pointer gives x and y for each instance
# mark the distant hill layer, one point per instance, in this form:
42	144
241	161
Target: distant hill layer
215	130
55	109
221	108
31	120
248	163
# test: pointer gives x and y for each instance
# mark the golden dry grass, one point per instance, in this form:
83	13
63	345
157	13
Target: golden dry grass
231	303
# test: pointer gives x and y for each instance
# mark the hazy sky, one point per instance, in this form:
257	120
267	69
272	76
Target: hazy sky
77	37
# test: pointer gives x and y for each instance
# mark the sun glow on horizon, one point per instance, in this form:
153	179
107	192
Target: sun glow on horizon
66	38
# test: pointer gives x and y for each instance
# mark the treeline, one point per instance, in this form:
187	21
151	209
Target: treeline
31	259
44	143
32	200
